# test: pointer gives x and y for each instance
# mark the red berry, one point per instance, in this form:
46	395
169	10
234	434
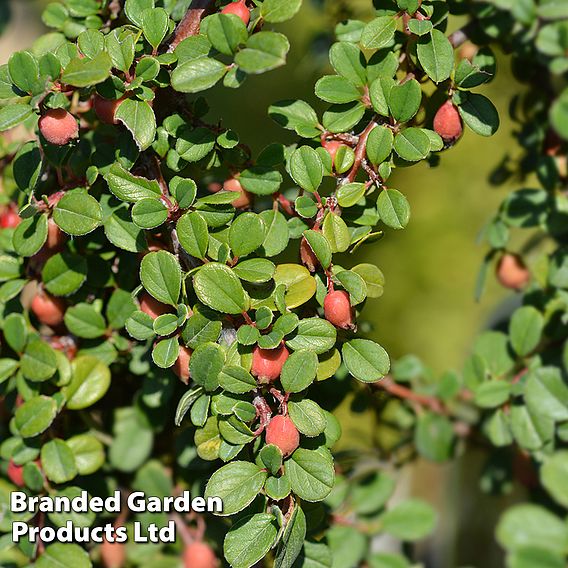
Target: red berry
332	148
338	310
113	554
152	307
512	272
58	126
282	433
55	237
106	109
16	474
239	9
181	366
267	363
48	309
447	122
245	200
308	256
9	218
199	555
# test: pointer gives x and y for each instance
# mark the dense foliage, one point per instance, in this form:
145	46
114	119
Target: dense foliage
158	334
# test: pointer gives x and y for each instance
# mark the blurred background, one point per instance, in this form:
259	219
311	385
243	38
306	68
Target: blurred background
429	306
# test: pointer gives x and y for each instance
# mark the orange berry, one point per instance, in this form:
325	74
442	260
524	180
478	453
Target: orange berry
332	148
16	474
448	123
239	9
282	433
245	200
199	555
512	272
106	109
48	309
181	366
149	305
113	554
338	310
267	363
58	126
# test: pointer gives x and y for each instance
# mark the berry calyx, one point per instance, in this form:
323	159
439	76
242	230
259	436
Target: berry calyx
113	554
16	474
338	310
512	272
308	256
149	305
267	363
181	366
332	147
239	9
245	199
199	555
48	309
448	123
58	126
106	109
283	434
9	218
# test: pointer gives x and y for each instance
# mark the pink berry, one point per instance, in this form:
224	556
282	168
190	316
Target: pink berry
282	433
239	9
338	310
448	123
512	272
267	363
58	126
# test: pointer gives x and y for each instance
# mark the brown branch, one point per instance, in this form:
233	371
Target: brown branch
360	151
431	402
191	22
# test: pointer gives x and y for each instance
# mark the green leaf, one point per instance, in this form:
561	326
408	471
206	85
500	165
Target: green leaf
246	234
87	72
250	539
336	89
378	33
205	364
311	473
546	394
160	274
132	442
531	525
308	417
134	10
525	330
236	380
38	362
58	461
296	115
166	352
264	51
276	11
365	360
410	520
313	334
558	115
306	168
30	235
492	394
320	246
90	382
198	75
57	555
24	72
12	115
255	270
88	452
225	32
218	287
348	61
77	213
35	416
393	208
336	233
193	234
553	474
84	320
342	118
412	144
479	113
350	194
292	540
299	371
404	100
155	22
149	213
379	144
236	484
434	437
436	55
15	331
140	120
64	273
131	188
260	180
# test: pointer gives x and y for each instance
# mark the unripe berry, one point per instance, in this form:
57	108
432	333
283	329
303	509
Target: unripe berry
149	305
267	363
9	218
106	109
338	310
181	366
48	309
308	256
199	555
512	272
245	200
239	9
448	123
16	474
332	148
58	126
113	554
283	434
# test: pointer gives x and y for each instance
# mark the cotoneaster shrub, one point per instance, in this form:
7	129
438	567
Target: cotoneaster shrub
143	282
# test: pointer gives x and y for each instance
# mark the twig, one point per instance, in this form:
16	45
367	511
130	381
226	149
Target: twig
360	151
191	22
431	402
